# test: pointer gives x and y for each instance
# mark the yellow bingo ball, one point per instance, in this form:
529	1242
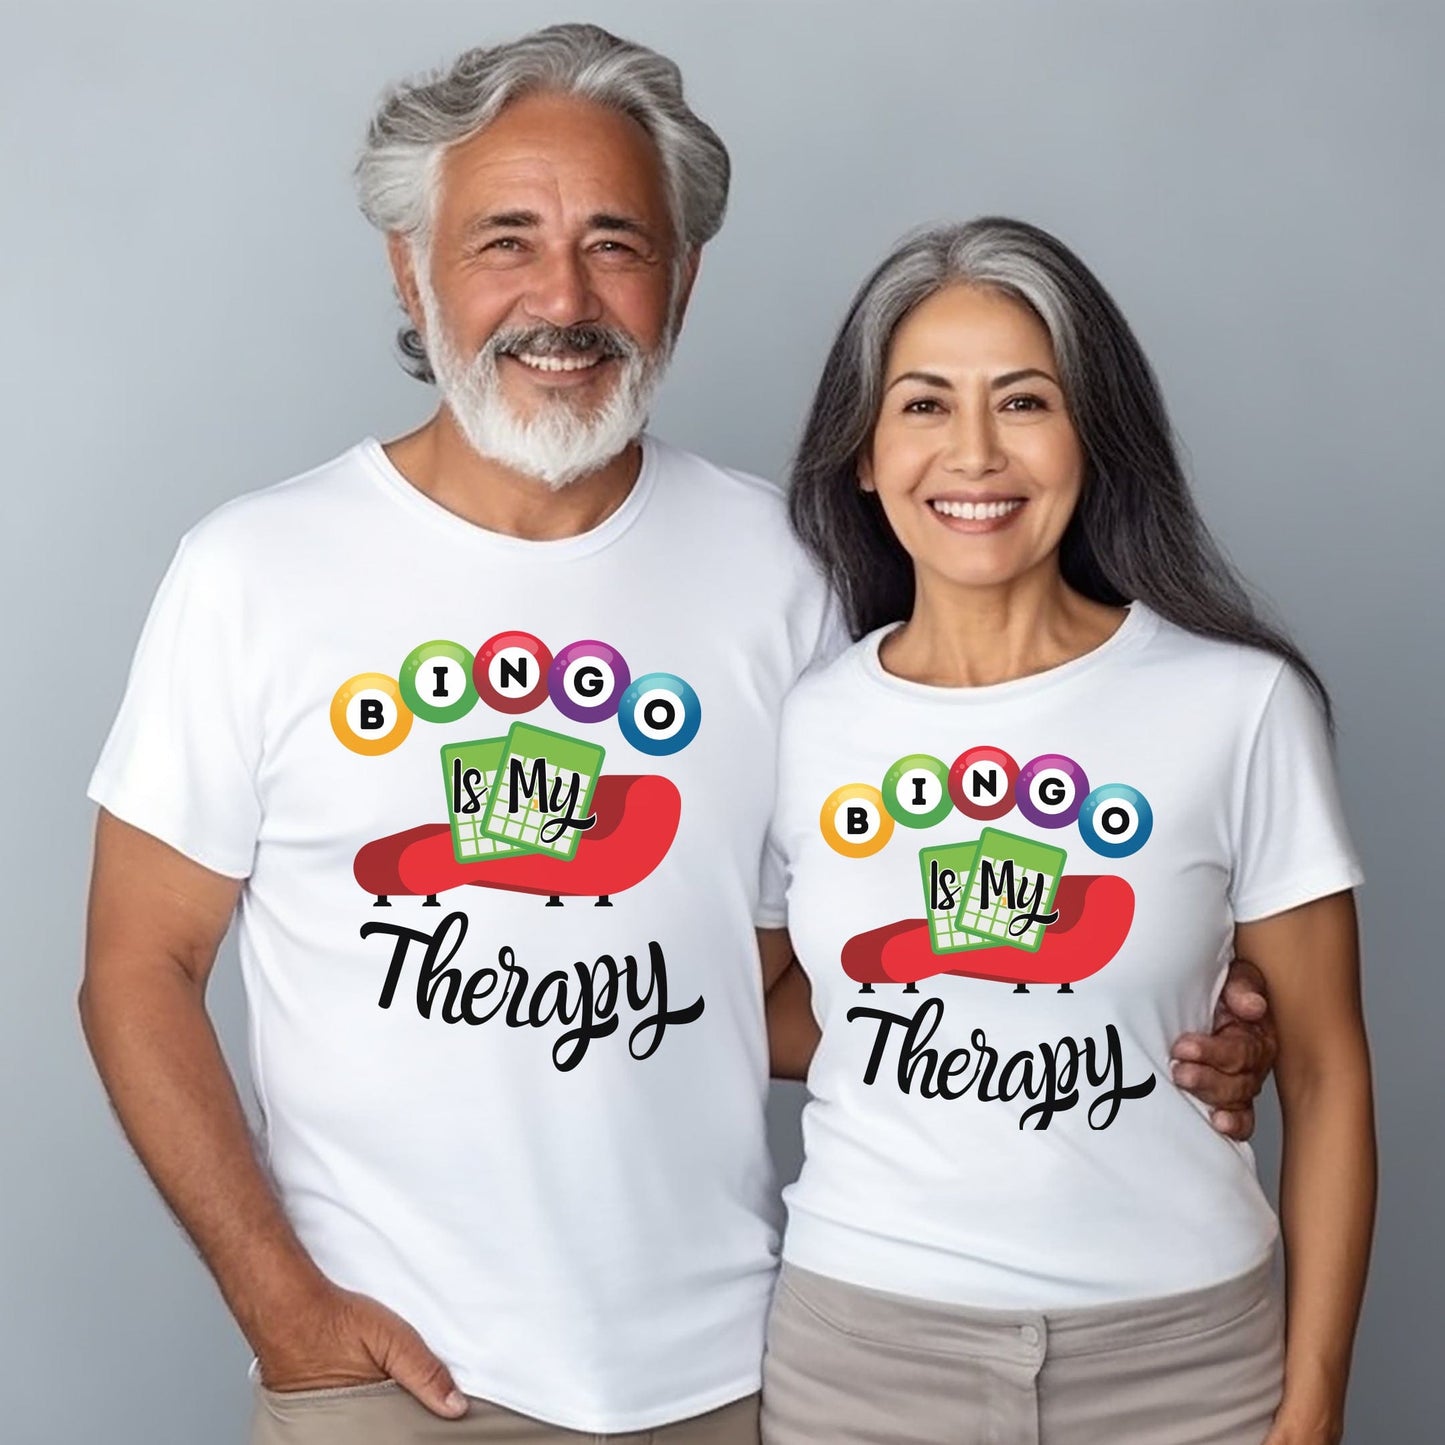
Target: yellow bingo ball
368	714
854	821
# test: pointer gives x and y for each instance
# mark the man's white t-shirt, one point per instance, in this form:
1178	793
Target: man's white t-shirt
1092	833
521	1100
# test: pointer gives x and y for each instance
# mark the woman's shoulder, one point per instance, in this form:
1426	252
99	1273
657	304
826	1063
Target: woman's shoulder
1223	667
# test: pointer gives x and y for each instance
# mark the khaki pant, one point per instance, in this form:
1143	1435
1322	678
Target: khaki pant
385	1414
851	1366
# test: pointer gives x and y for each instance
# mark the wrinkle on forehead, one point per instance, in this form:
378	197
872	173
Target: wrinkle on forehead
561	157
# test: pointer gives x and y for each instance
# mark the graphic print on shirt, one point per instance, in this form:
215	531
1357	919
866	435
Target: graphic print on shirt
529	810
997	905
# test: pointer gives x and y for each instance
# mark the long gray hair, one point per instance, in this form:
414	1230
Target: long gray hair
396	175
1135	534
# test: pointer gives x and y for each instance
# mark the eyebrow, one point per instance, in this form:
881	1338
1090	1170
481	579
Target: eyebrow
530	220
932	378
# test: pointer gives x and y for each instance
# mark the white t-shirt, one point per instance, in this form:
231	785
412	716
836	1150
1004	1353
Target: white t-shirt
534	1129
971	1143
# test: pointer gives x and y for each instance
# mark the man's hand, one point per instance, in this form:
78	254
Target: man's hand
1227	1068
341	1338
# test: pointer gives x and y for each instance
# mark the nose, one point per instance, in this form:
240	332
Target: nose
560	291
973	448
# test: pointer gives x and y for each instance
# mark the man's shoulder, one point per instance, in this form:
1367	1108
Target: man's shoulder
280	513
700	481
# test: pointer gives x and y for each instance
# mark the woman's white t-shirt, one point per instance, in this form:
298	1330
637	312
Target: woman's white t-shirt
1092	833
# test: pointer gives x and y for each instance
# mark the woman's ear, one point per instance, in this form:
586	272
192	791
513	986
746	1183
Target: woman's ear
865	473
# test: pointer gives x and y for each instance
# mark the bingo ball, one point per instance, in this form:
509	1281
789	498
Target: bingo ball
1116	820
1051	790
586	681
981	783
854	820
510	673
368	714
436	681
659	714
915	791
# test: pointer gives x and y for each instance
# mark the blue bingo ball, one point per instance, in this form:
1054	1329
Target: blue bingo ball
1116	820
659	714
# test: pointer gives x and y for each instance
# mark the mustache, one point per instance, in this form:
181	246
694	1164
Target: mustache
586	338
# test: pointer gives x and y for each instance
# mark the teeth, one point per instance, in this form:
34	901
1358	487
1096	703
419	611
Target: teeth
975	511
556	363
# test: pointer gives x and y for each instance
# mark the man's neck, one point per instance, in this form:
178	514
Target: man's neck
438	461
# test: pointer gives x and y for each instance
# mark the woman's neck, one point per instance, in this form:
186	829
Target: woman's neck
974	636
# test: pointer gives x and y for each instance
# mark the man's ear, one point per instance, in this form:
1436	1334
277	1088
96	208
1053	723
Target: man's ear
684	292
403	271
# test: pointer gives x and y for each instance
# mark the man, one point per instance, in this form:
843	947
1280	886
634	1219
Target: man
478	729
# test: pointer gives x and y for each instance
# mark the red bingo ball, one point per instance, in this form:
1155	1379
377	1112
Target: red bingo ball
981	783
510	672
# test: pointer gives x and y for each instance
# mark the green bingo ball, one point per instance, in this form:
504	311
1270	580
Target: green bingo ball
915	791
436	681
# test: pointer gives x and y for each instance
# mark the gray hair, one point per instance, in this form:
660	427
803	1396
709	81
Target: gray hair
396	175
1136	532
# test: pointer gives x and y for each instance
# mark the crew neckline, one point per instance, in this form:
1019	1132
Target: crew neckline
1139	624
594	539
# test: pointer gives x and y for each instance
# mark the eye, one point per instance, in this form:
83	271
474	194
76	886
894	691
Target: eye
923	406
615	246
1025	401
500	243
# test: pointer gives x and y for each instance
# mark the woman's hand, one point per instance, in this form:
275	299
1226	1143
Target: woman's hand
1227	1068
1311	1424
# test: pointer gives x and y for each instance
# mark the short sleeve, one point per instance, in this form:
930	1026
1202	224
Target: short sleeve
772	909
181	759
1292	845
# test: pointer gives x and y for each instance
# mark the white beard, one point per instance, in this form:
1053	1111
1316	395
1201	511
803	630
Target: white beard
559	443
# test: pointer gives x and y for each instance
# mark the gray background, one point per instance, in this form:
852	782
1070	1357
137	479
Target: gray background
196	309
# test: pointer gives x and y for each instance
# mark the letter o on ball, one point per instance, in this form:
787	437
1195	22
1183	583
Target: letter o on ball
659	714
1116	820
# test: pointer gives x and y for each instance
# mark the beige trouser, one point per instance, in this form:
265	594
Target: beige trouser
385	1414
851	1366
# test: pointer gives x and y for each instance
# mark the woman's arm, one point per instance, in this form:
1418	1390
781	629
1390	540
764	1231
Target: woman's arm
1310	960
792	1029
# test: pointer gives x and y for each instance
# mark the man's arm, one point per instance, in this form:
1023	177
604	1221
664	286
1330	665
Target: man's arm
792	1029
1226	1069
155	922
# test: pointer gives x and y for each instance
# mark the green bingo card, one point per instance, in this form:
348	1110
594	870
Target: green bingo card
544	786
1012	883
945	871
470	770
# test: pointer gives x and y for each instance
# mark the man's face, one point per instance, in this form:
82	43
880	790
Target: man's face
545	294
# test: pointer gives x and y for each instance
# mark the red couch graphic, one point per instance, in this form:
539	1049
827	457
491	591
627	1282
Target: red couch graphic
1095	913
637	819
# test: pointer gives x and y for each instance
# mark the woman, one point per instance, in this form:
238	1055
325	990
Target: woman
1024	822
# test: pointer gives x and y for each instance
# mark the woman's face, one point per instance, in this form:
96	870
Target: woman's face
974	457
